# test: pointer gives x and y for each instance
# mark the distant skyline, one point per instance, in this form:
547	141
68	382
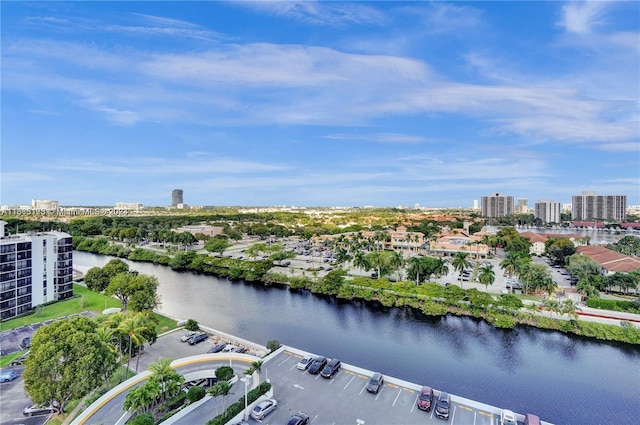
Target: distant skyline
318	103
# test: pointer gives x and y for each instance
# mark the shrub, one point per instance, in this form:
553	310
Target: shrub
273	345
143	419
224	373
192	325
608	304
195	393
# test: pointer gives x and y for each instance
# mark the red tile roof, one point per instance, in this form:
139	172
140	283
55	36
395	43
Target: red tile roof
610	260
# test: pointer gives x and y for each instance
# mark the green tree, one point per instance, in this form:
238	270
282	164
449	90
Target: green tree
192	325
273	345
333	281
139	289
195	393
220	389
559	249
487	276
96	279
114	267
67	360
460	262
512	264
133	327
360	261
170	381
217	244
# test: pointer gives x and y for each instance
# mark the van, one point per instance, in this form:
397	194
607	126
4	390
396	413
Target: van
531	419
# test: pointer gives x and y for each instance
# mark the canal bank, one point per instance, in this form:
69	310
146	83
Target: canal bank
340	399
557	373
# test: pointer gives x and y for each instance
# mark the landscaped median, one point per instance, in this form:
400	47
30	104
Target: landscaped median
202	359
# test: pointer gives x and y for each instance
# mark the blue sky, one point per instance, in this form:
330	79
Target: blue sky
319	103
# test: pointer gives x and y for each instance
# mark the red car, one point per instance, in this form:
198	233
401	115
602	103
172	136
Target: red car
425	399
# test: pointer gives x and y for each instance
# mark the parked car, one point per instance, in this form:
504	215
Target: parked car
332	367
305	362
20	360
198	338
317	365
37	410
25	344
8	375
443	406
229	348
264	408
425	399
531	419
217	348
507	417
375	383
299	418
186	337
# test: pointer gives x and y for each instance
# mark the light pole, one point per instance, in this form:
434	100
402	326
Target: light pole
246	381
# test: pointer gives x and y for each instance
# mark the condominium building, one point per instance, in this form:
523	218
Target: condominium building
590	206
497	205
44	204
548	211
35	268
522	207
177	197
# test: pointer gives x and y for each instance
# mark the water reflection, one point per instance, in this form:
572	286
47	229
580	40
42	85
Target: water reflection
525	369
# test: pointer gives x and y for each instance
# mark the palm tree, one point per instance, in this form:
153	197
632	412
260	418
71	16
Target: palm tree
133	327
511	264
487	275
360	261
416	268
460	262
569	308
170	381
257	366
396	261
106	335
587	288
222	388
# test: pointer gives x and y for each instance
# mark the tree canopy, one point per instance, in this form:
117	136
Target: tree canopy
67	360
137	291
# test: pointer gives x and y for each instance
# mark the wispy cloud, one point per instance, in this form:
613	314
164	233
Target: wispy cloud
581	17
380	137
319	13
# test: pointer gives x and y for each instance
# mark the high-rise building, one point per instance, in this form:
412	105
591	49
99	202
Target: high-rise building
548	211
522	206
44	204
35	268
475	204
497	205
176	197
591	207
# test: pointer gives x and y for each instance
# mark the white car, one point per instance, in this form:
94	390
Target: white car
264	408
186	337
507	417
305	362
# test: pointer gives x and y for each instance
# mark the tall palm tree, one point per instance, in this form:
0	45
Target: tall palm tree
460	262
170	381
360	260
416	268
396	262
487	276
257	366
511	264
106	335
440	268
133	327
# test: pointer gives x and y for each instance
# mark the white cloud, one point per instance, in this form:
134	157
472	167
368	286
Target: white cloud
581	17
380	137
319	13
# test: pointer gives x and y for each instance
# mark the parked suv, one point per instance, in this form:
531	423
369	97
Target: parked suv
425	399
375	383
317	365
443	405
332	367
198	338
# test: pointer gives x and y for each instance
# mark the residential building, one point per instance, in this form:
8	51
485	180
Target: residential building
538	240
590	206
44	204
497	205
203	228
35	268
459	241
134	206
548	211
610	261
522	207
177	197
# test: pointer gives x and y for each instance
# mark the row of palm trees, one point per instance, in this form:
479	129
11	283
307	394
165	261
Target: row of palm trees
534	277
125	333
163	384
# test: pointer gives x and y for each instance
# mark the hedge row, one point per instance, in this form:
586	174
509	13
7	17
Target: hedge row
616	305
238	406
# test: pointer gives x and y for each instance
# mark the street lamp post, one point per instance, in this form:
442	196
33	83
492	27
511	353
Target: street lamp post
246	381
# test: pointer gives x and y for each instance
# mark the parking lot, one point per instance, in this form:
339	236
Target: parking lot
10	339
13	400
344	399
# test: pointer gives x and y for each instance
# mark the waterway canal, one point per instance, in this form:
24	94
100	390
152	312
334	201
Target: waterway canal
563	379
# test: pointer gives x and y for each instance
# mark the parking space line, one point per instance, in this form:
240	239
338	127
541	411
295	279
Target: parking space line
454	414
474	417
409	390
349	372
379	392
415	403
362	376
462	406
393	385
362	389
352	378
485	413
394	401
283	362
